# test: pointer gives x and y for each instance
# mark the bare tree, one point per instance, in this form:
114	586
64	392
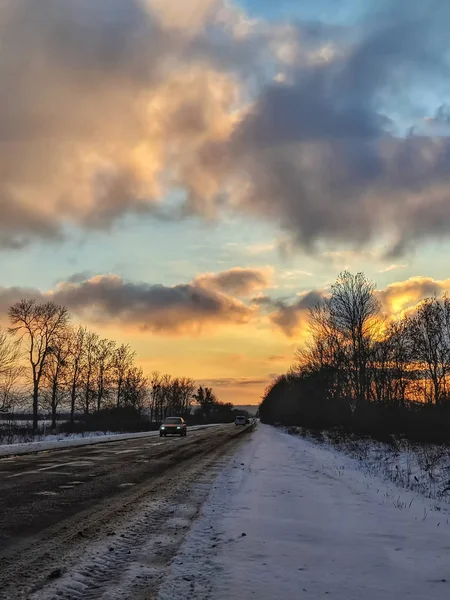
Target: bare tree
135	388
187	389
104	355
87	375
206	399
76	354
38	326
429	330
122	362
325	350
55	374
169	395
10	371
156	391
164	396
401	357
353	311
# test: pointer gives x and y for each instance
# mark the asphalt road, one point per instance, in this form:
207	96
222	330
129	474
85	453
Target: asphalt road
52	501
36	490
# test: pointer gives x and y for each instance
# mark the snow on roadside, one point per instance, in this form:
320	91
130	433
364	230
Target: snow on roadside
290	518
53	442
58	442
422	468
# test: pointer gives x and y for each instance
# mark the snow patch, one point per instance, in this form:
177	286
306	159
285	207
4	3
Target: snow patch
290	518
422	468
58	442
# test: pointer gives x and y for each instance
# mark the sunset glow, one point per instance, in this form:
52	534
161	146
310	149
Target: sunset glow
190	176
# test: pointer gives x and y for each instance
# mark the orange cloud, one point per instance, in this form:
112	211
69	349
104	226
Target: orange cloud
403	296
187	17
115	105
396	300
208	302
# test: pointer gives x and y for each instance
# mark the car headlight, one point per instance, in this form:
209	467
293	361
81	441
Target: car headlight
178	427
162	427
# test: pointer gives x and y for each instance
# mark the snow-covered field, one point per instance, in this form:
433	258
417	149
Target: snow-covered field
293	519
70	440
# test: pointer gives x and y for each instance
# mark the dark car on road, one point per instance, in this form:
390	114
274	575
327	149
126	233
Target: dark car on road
173	426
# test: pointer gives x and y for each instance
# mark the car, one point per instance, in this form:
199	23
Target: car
239	420
173	426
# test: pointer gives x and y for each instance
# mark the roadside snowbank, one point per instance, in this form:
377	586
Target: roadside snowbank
422	468
53	442
58	442
290	518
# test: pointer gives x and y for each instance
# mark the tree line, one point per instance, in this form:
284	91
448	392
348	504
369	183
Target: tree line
365	372
48	364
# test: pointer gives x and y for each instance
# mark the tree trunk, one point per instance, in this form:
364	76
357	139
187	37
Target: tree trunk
72	401
86	397
53	417
35	406
119	392
54	403
99	399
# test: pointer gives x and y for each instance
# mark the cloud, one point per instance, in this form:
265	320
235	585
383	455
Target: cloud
126	101
260	248
187	18
193	308
183	309
69	116
237	390
440	122
403	296
397	299
392	267
320	153
238	281
179	309
293	275
10	295
278	358
114	96
79	277
346	259
187	309
232	381
292	318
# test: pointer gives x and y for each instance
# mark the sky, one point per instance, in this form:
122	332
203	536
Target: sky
189	177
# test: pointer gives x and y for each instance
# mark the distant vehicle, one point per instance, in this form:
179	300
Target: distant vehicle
247	421
240	421
173	426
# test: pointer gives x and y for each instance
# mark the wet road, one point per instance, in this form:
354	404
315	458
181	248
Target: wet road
62	508
40	489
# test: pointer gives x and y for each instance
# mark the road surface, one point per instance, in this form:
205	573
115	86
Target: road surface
55	505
